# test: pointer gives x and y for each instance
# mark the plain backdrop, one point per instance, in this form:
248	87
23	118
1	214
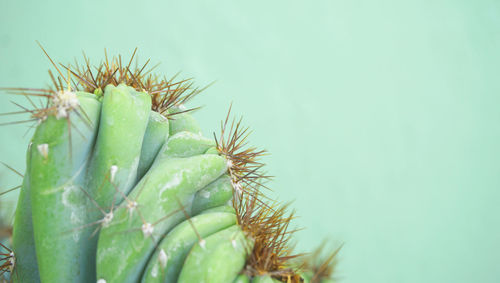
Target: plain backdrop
382	117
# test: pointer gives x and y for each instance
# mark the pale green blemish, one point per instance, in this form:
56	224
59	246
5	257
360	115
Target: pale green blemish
75	202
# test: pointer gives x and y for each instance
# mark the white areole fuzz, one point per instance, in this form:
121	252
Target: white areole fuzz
64	101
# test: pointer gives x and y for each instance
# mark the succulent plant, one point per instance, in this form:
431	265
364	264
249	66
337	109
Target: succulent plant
121	186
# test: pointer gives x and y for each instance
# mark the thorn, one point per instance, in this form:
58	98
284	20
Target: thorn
12	169
10	190
50	59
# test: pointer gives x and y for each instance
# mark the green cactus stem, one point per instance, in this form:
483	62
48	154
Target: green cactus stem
124	118
57	174
121	186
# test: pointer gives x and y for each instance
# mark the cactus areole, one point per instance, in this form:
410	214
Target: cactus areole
121	186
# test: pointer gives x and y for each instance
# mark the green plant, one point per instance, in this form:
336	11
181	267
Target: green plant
120	186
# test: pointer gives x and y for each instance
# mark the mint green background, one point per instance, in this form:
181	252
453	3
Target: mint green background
382	117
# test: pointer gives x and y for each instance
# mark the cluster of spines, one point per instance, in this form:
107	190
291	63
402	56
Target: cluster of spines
168	95
7	259
263	220
165	93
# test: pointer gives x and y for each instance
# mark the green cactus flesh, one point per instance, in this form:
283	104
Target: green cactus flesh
121	186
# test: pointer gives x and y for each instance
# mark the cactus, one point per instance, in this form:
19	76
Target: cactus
121	186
